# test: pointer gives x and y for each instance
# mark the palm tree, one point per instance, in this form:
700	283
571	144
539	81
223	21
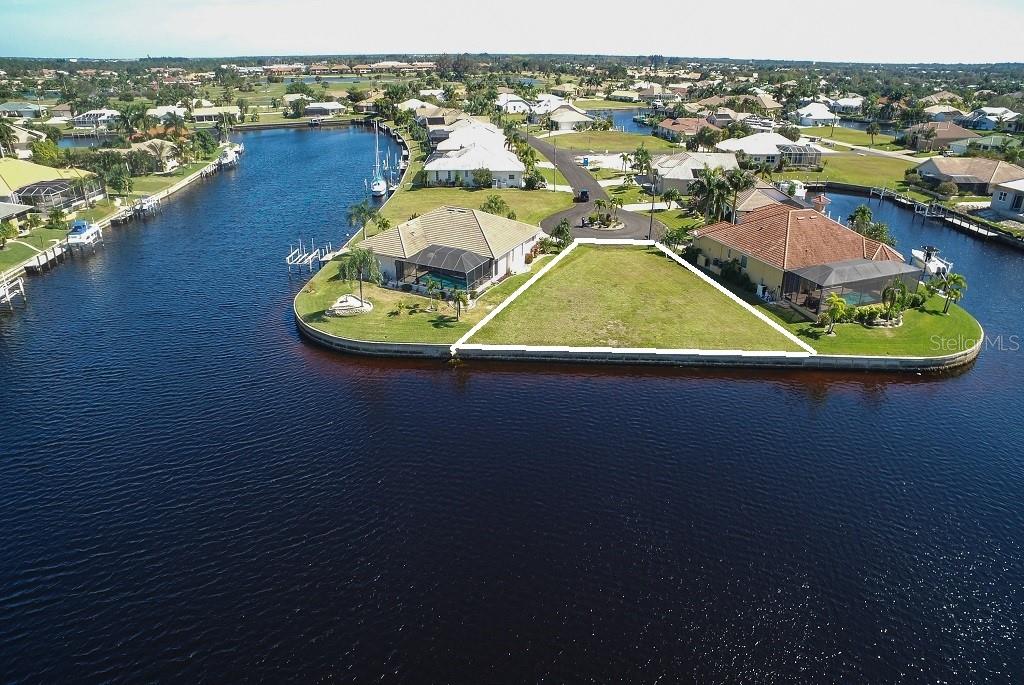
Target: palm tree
671	195
359	215
360	263
7	137
174	122
739	180
873	130
158	149
642	160
835	307
616	203
433	288
954	285
381	222
894	298
56	219
460	299
627	160
709	194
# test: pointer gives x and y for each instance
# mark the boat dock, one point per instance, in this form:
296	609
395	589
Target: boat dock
935	210
300	256
48	258
10	289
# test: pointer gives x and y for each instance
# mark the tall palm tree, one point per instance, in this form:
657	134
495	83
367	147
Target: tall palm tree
873	130
158	148
710	193
460	299
359	215
360	263
616	203
954	285
739	180
7	137
627	160
671	195
174	122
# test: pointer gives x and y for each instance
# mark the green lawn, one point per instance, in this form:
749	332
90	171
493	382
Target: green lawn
629	194
387	323
627	297
148	185
676	218
530	206
607	173
917	337
856	168
597	103
13	254
851	136
611	141
101	210
551	175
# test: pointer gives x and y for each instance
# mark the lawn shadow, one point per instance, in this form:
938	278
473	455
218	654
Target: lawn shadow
443	321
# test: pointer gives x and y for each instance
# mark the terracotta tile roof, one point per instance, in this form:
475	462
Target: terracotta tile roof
789	238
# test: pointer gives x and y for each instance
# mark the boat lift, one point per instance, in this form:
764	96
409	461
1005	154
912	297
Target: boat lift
10	289
301	256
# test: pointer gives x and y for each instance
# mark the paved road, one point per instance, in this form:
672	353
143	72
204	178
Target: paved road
636	225
872	151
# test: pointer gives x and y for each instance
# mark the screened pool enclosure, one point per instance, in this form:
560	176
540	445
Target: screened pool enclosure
858	281
452	267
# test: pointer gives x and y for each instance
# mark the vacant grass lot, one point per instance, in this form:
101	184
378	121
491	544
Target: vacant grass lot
851	136
598	103
856	168
387	323
676	218
915	338
610	141
530	206
627	297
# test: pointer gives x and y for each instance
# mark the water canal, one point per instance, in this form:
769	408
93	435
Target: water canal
192	493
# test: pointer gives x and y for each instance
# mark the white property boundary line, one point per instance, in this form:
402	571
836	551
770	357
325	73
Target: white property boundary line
462	343
519	291
731	295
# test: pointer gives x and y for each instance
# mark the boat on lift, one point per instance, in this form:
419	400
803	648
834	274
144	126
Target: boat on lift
928	260
84	233
378	186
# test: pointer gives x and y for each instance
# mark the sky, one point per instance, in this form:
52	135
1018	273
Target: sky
854	31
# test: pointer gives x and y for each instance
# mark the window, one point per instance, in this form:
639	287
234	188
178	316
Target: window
1002	196
511	177
743	261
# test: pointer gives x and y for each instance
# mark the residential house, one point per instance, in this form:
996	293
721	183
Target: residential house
815	114
994	142
566	90
289	98
465	132
569	118
202	115
96	118
975	175
164	112
990	119
934	135
456	168
762	195
1008	199
436	93
848	104
943	96
510	103
14	213
678	170
324	109
412	104
773	149
678	130
46	188
942	112
469	246
771	107
367	106
723	116
800	256
624	95
22	110
62	110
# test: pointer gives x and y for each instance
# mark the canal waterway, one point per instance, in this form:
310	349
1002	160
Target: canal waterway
189	492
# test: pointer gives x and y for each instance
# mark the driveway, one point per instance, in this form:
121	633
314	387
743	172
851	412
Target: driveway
637	226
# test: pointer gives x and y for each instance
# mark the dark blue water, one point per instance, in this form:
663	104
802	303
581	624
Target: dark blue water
95	141
192	493
885	129
622	119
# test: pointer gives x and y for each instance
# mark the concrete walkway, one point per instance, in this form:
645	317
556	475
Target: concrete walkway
634	225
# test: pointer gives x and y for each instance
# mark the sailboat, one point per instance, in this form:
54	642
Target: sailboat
378	186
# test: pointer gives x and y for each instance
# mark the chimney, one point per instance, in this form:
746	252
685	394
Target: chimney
819	202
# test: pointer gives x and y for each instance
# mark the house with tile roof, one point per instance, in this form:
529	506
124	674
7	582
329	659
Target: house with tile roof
677	170
976	175
934	135
784	249
679	129
467	247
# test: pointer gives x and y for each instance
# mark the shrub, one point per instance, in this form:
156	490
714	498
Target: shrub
483	178
406	287
946	188
913	178
529	258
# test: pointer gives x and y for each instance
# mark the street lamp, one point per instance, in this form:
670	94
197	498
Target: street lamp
654	187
